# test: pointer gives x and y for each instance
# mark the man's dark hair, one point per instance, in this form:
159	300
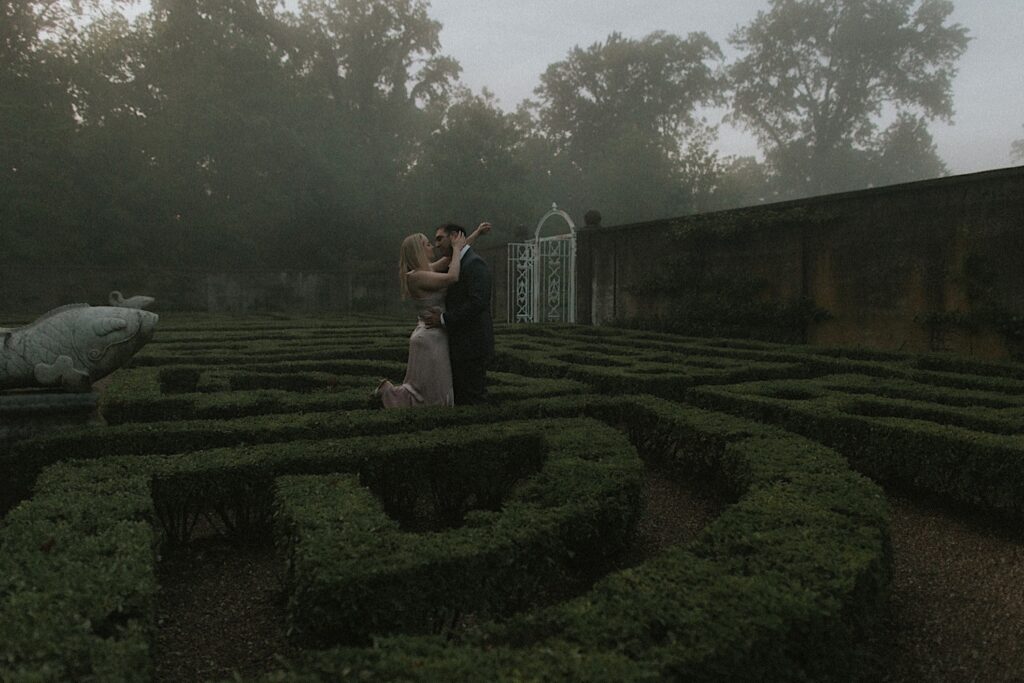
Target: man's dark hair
452	228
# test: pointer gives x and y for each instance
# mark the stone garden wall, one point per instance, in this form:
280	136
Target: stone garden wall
934	265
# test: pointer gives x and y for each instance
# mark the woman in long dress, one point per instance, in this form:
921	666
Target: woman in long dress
428	376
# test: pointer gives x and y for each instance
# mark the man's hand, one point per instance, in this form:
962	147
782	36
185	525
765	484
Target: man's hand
432	318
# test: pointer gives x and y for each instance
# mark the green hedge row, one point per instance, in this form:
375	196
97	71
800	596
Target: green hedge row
77	577
78	587
956	380
771	590
895	441
774	589
918	391
25	459
177	329
967	366
611	374
986	412
676	349
231	404
198	323
667	366
170	340
211	381
187	378
395	350
137	395
283	345
980	419
942	370
628	364
354	573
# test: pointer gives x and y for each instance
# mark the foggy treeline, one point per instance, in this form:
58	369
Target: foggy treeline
250	134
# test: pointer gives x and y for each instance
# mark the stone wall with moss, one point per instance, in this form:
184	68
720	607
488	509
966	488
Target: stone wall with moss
927	266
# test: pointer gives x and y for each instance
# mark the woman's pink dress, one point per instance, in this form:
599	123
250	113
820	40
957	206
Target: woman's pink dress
428	376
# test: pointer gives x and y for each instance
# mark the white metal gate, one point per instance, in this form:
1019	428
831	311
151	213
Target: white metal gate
542	275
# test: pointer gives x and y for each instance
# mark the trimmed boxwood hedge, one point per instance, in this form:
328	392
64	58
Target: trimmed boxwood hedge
668	366
267	418
78	558
917	391
199	394
221	356
896	441
77	579
354	573
941	370
774	589
632	374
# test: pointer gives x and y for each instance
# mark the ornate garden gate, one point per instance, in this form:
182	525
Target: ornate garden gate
542	275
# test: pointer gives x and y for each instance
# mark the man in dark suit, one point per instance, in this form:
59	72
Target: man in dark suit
467	318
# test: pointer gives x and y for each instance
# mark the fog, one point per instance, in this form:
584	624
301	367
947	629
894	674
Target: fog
506	46
312	134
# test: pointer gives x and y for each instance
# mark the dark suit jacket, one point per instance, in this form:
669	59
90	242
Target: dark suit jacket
468	310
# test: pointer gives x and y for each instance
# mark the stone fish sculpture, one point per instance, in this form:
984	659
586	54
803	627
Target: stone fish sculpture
72	346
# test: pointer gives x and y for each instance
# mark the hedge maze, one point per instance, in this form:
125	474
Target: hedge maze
391	526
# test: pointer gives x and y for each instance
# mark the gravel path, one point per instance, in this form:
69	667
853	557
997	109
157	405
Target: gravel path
956	611
674	511
220	610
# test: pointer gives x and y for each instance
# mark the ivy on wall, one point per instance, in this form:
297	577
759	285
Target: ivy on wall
706	298
980	281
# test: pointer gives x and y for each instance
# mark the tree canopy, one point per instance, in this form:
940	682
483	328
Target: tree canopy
618	116
260	134
816	77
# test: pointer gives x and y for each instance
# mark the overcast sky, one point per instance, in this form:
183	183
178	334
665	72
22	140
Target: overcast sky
506	44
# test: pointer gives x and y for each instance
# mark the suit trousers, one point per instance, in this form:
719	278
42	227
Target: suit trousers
469	380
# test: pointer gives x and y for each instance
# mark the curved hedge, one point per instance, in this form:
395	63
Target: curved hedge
354	573
972	455
242	417
142	396
774	589
78	589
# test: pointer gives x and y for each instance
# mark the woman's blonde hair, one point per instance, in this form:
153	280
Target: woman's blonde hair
411	256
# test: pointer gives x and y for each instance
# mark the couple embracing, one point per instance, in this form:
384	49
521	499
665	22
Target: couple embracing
454	337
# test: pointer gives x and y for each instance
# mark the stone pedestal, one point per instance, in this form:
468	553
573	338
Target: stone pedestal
32	412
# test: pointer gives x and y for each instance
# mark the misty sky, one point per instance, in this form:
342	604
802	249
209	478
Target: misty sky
505	45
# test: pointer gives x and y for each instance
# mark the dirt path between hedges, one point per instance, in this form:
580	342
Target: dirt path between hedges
221	609
956	611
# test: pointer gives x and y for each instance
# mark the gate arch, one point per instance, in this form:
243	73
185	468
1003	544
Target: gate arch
542	275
